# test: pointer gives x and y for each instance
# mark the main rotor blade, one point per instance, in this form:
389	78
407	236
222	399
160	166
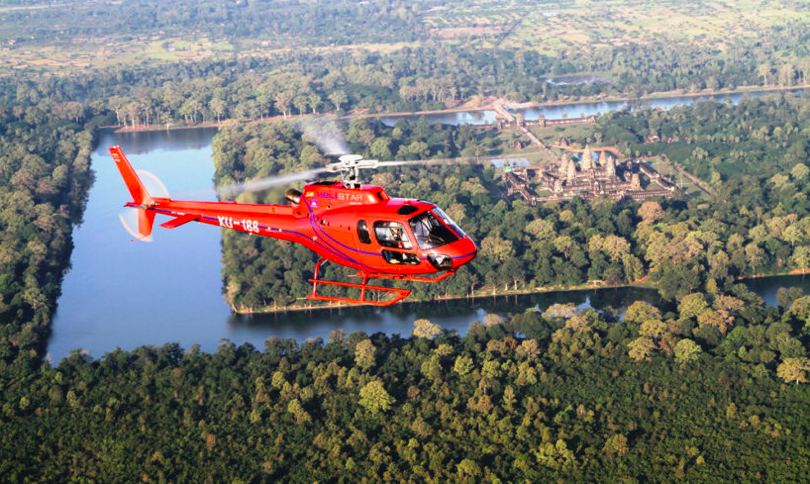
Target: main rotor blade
435	161
267	182
229	191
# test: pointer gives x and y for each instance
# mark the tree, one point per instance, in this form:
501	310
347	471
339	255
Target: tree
497	248
493	319
565	245
528	349
800	171
381	148
641	348
793	235
364	354
794	370
650	211
692	306
616	445
423	328
641	311
283	102
468	469
801	256
301	415
117	104
555	456
616	247
374	398
218	106
301	103
713	318
540	228
313	101
463	365
754	255
338	98
687	351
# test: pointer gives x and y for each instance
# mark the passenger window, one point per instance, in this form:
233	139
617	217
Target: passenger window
391	234
362	232
393	257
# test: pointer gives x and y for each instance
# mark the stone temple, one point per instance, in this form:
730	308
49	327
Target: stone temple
596	172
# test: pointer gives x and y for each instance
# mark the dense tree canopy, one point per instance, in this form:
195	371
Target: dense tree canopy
562	394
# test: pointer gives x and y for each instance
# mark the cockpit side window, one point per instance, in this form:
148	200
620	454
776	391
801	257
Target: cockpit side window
362	232
431	232
392	234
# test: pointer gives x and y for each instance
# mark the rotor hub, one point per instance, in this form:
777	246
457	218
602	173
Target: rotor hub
349	166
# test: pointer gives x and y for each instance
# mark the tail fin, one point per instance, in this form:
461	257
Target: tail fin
139	194
140	197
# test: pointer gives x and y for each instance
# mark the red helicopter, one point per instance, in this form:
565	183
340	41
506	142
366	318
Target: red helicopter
354	225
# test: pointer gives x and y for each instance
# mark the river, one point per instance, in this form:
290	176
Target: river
560	111
127	294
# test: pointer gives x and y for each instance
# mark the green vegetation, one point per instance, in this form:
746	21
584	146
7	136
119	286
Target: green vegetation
44	177
707	393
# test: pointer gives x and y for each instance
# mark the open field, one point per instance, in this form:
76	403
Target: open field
550	135
664	167
67	36
557	27
103	53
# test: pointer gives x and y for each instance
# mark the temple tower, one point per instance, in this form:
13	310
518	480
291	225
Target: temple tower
587	159
611	166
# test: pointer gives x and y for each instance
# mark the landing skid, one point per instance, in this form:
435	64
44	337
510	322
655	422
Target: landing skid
404	277
399	294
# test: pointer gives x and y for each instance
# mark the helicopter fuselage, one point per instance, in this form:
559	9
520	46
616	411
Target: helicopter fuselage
358	226
362	228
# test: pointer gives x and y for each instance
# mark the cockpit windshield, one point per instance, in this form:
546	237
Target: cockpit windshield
430	232
446	218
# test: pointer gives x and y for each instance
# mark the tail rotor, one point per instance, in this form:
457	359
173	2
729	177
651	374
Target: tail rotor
139	222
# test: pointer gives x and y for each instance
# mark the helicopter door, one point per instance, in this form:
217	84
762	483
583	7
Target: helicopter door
362	239
363	234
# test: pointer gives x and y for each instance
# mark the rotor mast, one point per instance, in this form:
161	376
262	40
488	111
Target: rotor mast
350	166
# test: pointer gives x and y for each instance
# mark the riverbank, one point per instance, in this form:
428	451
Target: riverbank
483	293
489	105
489	292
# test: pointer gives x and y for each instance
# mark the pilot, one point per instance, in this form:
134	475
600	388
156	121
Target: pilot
396	235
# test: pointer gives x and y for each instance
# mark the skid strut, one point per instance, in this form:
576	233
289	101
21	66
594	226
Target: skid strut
399	294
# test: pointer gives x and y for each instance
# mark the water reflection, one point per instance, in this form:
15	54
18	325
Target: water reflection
453	314
454	119
143	142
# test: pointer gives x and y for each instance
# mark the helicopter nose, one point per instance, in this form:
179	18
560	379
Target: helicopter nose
465	250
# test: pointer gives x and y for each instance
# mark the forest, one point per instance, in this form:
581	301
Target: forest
409	79
756	222
44	177
715	390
